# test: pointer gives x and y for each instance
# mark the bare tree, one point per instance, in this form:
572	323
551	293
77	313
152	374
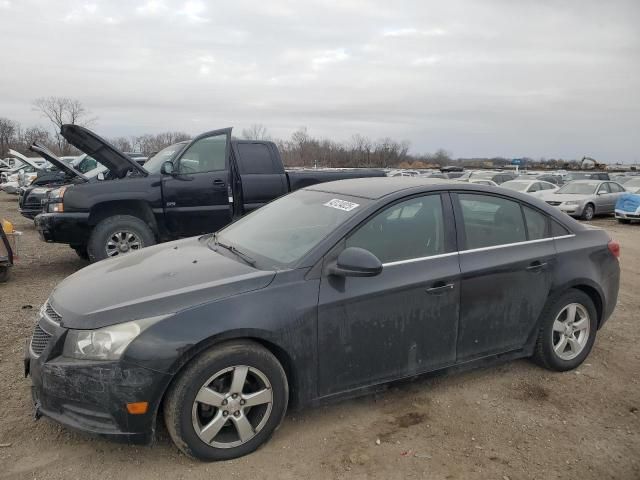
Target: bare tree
8	131
257	131
121	143
61	110
34	134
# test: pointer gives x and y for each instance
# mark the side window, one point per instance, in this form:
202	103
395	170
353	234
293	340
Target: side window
490	221
534	187
255	158
206	155
536	223
558	230
410	229
604	188
615	188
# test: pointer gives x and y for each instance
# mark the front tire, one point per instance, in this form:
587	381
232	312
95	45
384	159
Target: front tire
588	212
624	220
567	332
118	235
227	402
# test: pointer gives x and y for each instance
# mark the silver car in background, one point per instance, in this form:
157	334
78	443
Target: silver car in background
586	198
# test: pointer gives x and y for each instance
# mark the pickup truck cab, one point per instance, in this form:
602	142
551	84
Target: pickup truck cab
187	189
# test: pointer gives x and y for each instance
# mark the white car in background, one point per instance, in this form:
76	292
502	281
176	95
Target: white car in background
632	185
534	187
483	181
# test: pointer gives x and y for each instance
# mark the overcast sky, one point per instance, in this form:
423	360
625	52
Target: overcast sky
478	78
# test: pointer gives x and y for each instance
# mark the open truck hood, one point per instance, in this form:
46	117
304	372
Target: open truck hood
49	156
24	159
105	153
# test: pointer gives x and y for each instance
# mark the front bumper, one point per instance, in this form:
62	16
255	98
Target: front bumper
30	213
573	210
627	215
64	227
91	396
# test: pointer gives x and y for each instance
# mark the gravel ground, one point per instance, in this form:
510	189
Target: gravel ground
513	421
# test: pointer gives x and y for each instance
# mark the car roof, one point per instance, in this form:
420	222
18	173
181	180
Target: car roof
378	187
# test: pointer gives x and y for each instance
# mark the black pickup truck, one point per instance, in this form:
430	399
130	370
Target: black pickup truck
187	189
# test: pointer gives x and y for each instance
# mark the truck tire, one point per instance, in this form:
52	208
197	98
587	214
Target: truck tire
118	235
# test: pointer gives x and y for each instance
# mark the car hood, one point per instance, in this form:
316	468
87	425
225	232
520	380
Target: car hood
566	197
155	281
49	156
101	150
24	159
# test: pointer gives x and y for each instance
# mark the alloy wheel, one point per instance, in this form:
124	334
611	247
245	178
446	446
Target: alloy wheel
571	329
122	242
232	406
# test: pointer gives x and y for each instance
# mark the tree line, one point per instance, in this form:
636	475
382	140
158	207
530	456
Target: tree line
301	149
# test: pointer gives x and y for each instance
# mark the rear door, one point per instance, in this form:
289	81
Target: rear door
506	259
404	320
196	196
617	191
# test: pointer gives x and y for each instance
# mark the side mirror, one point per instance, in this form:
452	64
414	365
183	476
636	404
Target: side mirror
356	262
101	176
167	168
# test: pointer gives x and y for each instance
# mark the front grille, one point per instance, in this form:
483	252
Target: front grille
555	204
51	313
39	340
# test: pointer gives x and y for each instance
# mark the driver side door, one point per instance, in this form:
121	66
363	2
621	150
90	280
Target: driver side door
196	195
404	320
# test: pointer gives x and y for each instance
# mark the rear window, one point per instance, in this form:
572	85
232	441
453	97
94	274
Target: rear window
255	158
558	230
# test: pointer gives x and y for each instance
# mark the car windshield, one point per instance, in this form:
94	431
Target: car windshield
517	186
587	188
279	234
154	163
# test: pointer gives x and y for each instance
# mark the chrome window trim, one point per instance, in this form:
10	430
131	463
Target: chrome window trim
473	250
419	259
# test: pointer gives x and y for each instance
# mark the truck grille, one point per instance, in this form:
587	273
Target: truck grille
555	204
39	340
51	313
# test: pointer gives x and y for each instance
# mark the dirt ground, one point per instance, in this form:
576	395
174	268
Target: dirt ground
514	421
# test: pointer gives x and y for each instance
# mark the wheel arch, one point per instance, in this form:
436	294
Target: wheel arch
590	289
136	208
278	351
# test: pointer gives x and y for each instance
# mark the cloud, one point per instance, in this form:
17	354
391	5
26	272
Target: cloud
476	78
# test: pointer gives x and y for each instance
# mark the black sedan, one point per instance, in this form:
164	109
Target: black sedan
330	291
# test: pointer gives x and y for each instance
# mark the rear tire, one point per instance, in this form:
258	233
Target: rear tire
223	411
112	235
567	331
589	212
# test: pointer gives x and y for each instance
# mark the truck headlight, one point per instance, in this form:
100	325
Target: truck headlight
55	199
107	343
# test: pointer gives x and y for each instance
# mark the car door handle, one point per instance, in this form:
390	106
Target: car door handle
218	183
439	287
536	266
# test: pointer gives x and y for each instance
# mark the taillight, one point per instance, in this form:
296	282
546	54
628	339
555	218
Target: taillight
614	248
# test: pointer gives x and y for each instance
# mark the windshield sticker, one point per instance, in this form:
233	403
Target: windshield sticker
341	204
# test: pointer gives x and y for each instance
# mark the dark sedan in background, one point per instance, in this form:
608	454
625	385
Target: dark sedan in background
331	291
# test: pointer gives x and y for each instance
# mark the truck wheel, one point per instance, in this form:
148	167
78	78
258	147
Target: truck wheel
118	235
4	274
227	401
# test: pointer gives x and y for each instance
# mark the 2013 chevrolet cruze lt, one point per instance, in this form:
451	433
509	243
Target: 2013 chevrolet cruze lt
328	291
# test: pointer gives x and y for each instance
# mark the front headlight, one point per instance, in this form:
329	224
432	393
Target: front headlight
107	343
571	202
55	200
